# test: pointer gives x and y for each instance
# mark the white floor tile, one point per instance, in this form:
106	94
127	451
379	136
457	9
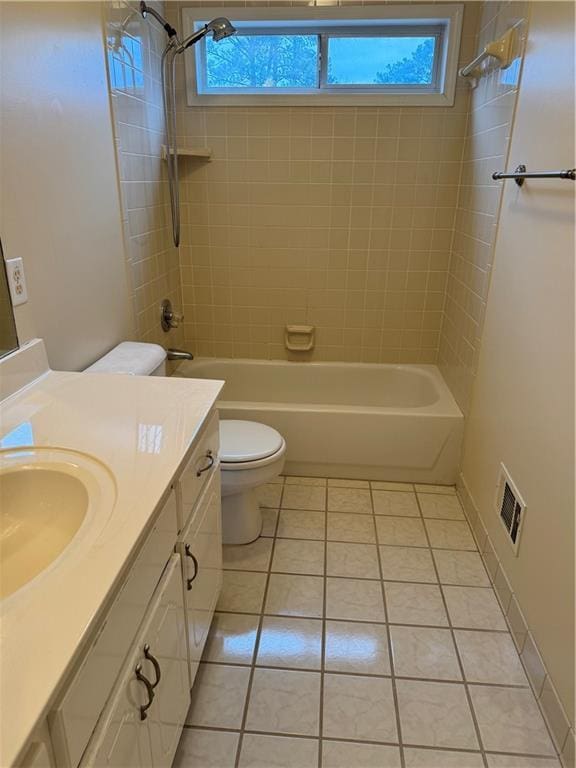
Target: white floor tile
395	503
425	653
407	564
304	497
269	518
242	592
441	507
298	556
510	721
490	657
352	560
351	500
360	708
450	534
296	524
320	482
401	531
289	643
435	715
463	568
415	604
231	638
209	749
474	608
342	754
295	595
277	752
515	761
218	696
248	557
435	758
353	528
354	599
357	647
284	701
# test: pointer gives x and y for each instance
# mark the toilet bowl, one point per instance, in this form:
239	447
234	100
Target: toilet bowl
251	454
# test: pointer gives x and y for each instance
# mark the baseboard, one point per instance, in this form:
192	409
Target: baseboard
561	731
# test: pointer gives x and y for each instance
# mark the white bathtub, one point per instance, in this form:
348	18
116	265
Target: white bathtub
352	420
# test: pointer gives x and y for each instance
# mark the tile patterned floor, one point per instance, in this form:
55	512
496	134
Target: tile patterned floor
361	631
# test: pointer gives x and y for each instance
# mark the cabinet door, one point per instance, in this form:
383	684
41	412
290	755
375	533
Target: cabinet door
123	739
202	569
166	640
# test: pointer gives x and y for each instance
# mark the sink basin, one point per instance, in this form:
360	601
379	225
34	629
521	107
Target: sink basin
45	499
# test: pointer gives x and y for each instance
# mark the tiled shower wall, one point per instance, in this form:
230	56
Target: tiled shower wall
488	132
134	47
338	217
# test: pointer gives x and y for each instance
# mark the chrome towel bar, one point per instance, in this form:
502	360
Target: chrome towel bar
520	174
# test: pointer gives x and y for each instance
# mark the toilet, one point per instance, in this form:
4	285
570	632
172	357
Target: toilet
251	454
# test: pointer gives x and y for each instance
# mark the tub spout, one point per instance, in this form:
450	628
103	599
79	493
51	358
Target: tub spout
179	354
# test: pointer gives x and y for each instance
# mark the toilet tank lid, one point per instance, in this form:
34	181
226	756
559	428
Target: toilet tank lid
132	357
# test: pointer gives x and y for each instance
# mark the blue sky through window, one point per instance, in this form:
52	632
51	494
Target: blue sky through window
370	60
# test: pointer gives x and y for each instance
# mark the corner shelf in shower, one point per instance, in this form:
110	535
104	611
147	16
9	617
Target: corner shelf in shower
200	153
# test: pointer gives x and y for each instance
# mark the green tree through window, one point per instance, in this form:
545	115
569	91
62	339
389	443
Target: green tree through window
414	70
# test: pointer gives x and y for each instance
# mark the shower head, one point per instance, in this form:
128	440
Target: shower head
220	28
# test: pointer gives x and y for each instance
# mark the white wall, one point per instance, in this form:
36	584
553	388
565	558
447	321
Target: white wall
59	205
523	405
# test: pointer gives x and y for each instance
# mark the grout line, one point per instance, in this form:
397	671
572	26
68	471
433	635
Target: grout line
459	658
323	645
390	654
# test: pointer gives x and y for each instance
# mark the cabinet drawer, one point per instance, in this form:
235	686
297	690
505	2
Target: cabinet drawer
126	736
202	466
73	721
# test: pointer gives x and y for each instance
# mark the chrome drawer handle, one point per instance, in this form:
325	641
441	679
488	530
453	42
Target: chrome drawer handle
149	688
191	556
151	658
211	460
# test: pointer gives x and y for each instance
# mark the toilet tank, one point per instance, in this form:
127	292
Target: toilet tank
134	358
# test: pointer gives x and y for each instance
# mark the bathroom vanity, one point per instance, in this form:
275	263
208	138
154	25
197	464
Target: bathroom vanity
99	649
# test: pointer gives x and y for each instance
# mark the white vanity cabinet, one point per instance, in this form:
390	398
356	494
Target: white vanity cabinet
126	703
142	722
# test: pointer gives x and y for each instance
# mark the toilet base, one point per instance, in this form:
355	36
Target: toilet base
241	518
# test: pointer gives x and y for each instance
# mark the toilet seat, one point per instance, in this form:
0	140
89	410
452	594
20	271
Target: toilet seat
248	444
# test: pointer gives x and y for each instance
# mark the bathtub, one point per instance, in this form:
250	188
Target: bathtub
349	420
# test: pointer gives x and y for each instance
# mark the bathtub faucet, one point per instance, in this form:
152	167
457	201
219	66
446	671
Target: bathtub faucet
179	354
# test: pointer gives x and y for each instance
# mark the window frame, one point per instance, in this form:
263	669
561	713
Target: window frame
418	20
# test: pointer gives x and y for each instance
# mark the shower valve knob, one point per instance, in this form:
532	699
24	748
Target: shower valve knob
168	318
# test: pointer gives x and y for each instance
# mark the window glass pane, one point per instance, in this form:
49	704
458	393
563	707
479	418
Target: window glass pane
380	60
262	61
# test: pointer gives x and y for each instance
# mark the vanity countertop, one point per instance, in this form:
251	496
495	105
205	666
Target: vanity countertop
142	429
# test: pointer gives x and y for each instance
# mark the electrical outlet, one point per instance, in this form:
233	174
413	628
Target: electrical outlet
16	281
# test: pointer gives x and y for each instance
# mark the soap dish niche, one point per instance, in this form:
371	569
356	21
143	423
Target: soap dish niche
299	338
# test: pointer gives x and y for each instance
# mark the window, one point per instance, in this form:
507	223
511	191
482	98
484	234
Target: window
368	55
